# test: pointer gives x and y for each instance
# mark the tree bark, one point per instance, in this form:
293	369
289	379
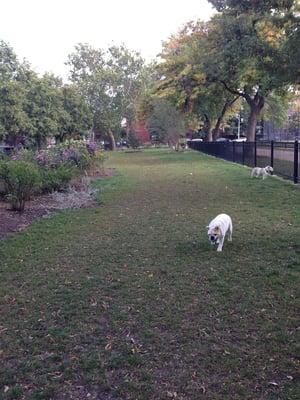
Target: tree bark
208	129
112	140
256	106
228	104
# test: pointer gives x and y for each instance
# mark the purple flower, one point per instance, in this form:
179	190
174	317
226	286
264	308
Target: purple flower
91	147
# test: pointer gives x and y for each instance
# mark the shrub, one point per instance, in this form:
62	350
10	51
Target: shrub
56	179
133	140
74	152
21	180
23	155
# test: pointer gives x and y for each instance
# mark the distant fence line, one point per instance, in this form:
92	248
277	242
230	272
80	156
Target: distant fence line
284	157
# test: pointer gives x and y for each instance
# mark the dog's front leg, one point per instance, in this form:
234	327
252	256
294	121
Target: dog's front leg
221	241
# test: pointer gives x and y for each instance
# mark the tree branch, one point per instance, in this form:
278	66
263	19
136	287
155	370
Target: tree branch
232	91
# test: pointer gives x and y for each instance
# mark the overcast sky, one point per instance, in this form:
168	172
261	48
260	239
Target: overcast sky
46	31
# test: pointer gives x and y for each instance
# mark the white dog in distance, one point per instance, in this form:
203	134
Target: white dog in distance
218	228
264	172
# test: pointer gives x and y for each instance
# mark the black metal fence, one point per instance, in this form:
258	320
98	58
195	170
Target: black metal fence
284	157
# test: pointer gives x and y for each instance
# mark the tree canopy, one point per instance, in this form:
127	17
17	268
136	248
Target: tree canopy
247	54
110	81
33	108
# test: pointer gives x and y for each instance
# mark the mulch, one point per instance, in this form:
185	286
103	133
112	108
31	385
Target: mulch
39	207
14	221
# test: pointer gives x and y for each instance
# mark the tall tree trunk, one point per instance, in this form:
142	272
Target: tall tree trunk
208	129
256	106
127	129
112	140
215	131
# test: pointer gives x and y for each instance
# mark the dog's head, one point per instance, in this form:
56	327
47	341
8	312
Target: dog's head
214	234
268	169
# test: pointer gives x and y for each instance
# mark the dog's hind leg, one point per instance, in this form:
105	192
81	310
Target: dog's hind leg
230	232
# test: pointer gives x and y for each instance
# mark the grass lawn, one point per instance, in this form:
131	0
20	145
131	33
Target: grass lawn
130	301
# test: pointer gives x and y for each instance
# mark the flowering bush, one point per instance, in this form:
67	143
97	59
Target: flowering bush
23	155
92	148
57	165
74	152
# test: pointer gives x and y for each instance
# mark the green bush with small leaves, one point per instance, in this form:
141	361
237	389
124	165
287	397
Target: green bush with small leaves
21	179
56	179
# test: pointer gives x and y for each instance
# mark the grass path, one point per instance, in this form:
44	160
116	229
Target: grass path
130	300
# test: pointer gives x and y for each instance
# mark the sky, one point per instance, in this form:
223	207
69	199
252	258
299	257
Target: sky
46	31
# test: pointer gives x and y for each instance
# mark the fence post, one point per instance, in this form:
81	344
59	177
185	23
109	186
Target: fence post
233	151
296	161
243	153
255	154
272	153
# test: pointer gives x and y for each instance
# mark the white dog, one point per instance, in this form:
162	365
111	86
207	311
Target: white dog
218	228
264	172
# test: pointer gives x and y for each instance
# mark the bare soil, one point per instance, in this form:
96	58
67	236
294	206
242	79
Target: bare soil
43	205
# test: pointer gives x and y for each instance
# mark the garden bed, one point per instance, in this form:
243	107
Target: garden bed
44	205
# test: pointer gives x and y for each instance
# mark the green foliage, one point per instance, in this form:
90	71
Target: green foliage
250	50
165	122
33	108
9	64
111	82
79	117
55	179
21	180
252	6
23	155
74	152
185	82
133	140
44	106
13	119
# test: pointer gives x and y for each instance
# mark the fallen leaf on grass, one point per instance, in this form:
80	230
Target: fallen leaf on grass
273	383
172	395
108	346
93	302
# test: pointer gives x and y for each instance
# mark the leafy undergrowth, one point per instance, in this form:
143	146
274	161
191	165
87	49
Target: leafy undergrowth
130	301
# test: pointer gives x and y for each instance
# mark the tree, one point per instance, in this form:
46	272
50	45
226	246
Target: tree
248	51
14	121
44	107
9	64
78	119
133	140
165	122
109	81
128	69
183	79
239	6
